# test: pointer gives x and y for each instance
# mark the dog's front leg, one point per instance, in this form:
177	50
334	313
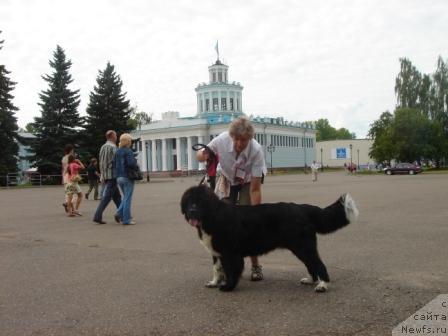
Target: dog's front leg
218	274
233	266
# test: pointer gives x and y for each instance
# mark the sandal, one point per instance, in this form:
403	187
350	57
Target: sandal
257	273
77	213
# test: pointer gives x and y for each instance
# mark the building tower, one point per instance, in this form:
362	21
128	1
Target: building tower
219	97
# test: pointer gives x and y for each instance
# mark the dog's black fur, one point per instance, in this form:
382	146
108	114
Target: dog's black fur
234	232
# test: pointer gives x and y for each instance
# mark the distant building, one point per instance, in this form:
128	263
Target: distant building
24	163
336	153
165	146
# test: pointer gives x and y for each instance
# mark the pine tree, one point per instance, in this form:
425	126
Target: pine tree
60	121
8	124
108	109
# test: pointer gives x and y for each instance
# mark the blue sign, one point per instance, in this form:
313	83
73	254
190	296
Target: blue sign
341	153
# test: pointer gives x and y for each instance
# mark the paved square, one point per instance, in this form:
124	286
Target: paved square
68	276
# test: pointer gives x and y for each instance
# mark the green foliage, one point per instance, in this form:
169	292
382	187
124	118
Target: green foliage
326	132
8	123
30	128
108	109
59	122
418	129
138	119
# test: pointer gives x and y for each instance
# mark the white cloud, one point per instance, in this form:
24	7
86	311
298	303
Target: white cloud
296	59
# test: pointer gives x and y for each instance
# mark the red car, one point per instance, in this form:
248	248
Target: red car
403	168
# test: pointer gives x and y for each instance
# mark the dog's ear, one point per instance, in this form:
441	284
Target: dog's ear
184	200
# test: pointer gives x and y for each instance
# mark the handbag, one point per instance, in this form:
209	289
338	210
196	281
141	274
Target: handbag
135	173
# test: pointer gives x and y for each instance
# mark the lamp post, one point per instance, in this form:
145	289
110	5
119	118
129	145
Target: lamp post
358	157
351	159
147	160
271	149
321	161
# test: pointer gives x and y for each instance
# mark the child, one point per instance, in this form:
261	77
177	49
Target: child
72	187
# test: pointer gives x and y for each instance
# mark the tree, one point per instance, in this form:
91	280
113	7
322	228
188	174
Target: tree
60	122
108	109
407	84
8	123
380	131
30	128
410	131
326	132
139	118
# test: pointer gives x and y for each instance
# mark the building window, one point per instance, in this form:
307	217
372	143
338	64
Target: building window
223	104
201	105
220	76
207	104
231	104
215	104
174	144
214	77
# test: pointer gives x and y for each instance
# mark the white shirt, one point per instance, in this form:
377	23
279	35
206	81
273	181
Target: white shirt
315	167
249	163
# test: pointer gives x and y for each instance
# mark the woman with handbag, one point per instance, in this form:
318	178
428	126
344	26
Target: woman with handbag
72	187
125	163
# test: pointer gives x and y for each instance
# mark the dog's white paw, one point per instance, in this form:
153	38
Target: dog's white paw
307	281
211	284
321	287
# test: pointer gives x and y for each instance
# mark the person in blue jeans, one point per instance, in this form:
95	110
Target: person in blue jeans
124	160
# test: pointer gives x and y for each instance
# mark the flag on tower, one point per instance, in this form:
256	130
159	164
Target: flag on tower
217	49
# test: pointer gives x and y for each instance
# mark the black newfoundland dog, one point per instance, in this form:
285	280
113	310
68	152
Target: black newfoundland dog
232	232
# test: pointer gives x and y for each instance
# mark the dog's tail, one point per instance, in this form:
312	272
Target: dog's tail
336	216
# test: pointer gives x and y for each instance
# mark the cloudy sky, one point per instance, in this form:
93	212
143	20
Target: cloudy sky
302	60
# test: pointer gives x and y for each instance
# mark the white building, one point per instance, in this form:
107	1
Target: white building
165	146
336	153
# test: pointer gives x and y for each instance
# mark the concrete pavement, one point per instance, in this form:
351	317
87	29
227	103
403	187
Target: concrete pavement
68	276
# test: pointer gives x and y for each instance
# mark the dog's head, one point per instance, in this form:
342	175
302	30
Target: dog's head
196	203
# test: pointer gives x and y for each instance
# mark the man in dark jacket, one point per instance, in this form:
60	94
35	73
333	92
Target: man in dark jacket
108	177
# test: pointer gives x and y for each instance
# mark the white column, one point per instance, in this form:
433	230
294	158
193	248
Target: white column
189	154
228	100
201	140
164	166
144	161
219	103
178	149
154	155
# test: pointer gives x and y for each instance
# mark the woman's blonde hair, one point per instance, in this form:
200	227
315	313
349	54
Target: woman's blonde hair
241	126
125	140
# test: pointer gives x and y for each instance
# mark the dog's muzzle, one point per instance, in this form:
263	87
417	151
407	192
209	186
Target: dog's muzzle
193	216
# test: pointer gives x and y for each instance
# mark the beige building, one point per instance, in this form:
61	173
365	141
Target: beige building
336	153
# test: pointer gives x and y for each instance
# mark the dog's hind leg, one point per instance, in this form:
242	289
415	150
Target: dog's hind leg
218	274
316	269
233	268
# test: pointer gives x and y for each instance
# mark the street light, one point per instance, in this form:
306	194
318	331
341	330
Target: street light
147	161
351	159
271	149
321	161
358	157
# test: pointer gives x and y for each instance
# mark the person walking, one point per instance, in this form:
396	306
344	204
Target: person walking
314	170
124	161
68	149
242	163
93	176
108	177
72	187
